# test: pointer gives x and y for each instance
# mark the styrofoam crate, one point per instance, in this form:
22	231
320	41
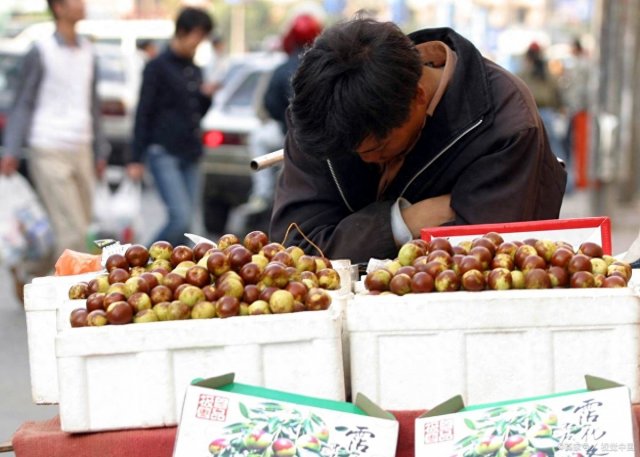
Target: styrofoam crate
43	297
411	351
46	295
134	376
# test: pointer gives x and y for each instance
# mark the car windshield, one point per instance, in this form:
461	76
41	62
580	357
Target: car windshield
243	96
232	72
9	69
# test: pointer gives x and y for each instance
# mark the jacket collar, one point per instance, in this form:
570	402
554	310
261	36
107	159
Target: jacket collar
57	36
467	98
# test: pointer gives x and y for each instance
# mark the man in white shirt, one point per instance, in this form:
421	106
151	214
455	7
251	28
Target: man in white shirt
56	115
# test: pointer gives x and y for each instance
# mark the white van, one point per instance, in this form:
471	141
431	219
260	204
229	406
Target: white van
125	33
128	34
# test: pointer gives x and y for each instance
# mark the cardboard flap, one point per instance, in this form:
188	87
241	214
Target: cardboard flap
216	381
596	383
371	408
452	405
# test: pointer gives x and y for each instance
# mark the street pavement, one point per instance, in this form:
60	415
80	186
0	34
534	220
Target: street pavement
16	405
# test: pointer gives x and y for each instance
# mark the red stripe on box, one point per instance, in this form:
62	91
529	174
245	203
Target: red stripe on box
601	222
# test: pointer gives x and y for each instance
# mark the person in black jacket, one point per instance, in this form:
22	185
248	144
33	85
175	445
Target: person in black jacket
391	133
173	99
269	136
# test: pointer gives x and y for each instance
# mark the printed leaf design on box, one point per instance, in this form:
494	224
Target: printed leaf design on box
534	431
271	430
503	432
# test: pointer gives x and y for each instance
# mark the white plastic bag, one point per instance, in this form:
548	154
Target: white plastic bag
25	232
116	212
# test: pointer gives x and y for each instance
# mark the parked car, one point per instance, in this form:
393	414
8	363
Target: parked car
226	129
127	34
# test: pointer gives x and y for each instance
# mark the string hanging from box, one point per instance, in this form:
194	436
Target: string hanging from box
297	227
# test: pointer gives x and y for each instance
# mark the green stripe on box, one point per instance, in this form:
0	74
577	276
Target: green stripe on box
277	395
522	400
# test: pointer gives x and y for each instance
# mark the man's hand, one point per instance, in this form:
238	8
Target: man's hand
8	165
431	212
135	171
209	89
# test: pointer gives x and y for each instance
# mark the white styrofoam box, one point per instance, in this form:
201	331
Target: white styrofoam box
411	351
134	376
42	299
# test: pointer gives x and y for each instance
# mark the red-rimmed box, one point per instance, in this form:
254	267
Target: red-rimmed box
574	231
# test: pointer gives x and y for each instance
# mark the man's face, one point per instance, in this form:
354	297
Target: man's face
399	141
189	42
70	10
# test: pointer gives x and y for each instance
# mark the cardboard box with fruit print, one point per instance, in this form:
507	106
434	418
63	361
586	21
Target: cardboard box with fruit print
597	421
221	418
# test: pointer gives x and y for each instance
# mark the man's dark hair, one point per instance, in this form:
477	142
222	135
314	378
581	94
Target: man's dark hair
357	80
190	19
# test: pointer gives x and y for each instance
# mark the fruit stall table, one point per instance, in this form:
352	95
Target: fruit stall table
45	439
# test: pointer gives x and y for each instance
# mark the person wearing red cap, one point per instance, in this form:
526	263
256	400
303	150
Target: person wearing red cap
304	29
270	135
546	92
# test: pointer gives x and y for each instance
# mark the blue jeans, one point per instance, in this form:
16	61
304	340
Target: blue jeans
177	181
558	146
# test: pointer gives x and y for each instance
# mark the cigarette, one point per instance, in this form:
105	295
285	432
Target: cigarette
267	160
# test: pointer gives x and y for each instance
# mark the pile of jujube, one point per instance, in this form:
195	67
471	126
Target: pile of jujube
235	278
490	263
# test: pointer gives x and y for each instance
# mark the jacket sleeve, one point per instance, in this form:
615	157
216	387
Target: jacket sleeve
101	147
21	114
145	112
308	195
276	97
521	180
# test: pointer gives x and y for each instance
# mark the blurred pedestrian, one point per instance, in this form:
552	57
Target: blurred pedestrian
303	29
56	114
546	93
575	89
148	49
173	99
216	68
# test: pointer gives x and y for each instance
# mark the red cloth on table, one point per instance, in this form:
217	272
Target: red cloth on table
45	439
